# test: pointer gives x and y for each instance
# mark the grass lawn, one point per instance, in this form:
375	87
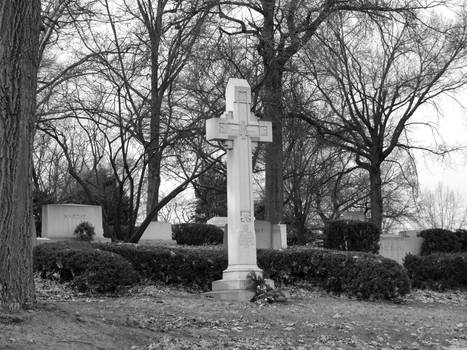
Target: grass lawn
158	317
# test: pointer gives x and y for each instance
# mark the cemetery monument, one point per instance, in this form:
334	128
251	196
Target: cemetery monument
60	220
237	129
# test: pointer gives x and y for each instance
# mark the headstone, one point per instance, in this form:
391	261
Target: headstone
157	232
237	129
279	236
60	220
268	236
263	232
396	247
219	221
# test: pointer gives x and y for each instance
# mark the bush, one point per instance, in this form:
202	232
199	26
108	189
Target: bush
438	271
110	266
348	235
360	275
438	240
197	234
87	269
84	231
462	236
192	268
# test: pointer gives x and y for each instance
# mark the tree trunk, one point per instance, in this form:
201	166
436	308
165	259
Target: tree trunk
153	149
300	222
376	197
273	111
19	43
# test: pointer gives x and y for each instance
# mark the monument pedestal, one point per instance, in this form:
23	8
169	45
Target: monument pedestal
235	290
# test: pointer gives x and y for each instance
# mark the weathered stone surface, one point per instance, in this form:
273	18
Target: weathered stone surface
59	221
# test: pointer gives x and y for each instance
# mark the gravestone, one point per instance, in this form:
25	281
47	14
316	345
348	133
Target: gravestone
396	247
268	236
219	221
157	232
263	232
279	236
237	129
60	220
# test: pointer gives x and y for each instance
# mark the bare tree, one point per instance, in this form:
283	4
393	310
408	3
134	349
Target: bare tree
19	44
374	77
281	30
171	31
442	208
320	180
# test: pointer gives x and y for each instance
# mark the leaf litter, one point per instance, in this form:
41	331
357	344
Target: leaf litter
161	317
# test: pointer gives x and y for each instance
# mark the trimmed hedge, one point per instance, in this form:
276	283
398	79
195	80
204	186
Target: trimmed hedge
360	275
193	268
105	267
462	236
349	235
87	269
355	274
197	234
438	240
438	271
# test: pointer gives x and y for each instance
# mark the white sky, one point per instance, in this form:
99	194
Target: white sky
452	129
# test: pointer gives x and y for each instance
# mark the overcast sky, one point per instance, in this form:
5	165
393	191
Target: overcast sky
452	128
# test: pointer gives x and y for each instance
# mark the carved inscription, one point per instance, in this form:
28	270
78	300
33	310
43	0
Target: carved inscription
242	95
245	216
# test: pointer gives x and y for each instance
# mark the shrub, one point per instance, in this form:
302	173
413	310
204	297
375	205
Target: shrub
360	275
87	269
347	235
84	231
462	235
438	271
193	268
197	234
438	240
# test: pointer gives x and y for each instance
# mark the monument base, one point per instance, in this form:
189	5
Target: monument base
235	290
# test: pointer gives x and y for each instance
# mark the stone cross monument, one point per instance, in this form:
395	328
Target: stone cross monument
237	129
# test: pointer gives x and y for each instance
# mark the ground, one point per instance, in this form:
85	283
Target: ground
158	317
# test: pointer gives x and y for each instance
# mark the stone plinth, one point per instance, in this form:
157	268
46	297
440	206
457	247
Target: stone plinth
240	290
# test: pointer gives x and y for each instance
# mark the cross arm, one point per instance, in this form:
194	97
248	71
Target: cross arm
218	129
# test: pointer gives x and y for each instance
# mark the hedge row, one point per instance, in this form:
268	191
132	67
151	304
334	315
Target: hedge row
443	241
197	234
87	268
437	271
192	268
360	275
